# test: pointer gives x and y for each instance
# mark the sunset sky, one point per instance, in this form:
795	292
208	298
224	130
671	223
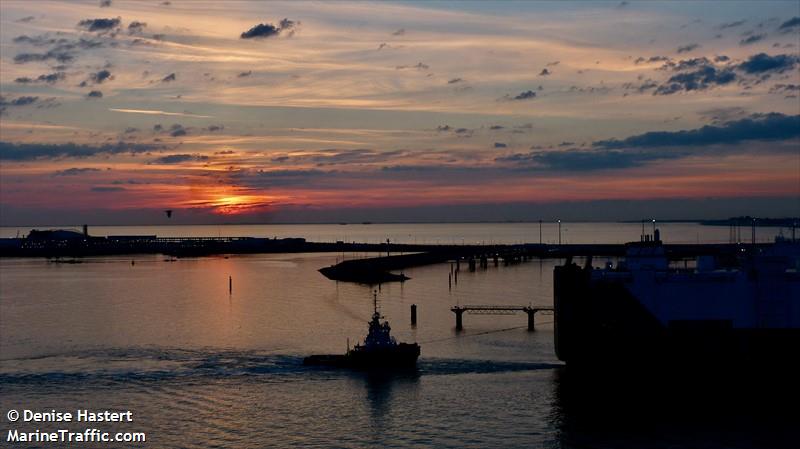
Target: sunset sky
113	111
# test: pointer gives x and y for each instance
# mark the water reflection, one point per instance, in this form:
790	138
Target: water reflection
380	387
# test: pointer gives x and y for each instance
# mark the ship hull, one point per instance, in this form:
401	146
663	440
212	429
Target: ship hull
600	323
402	356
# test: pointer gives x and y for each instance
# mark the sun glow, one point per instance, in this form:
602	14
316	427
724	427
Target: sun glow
231	201
240	204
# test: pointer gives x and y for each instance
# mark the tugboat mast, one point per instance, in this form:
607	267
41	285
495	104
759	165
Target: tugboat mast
375	304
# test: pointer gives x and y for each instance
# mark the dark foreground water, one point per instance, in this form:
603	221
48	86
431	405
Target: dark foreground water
200	367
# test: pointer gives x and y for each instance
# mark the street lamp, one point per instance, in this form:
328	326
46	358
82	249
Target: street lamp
559	232
540	232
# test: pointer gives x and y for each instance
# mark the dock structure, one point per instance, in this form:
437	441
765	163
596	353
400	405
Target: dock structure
498	310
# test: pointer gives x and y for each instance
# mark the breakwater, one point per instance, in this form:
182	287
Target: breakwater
376	270
77	245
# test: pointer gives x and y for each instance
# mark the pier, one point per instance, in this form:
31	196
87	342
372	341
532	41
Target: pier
498	310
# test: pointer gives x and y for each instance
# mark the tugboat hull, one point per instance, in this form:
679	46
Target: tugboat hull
404	355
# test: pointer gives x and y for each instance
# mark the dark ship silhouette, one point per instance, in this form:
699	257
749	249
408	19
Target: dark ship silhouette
742	310
380	351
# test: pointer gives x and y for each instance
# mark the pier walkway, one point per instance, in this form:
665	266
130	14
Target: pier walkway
497	310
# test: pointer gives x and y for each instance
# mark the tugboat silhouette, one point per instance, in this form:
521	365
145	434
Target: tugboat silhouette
380	351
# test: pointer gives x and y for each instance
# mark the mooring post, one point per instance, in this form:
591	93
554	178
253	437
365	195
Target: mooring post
450	281
413	314
459	322
471	264
230	284
531	313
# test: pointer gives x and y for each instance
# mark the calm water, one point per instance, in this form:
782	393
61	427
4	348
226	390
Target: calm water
200	367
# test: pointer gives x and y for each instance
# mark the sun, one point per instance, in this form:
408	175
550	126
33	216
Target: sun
229	200
239	204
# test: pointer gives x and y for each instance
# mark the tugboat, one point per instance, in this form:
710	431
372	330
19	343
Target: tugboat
380	350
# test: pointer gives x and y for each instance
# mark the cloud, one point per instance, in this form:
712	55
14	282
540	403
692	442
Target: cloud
496	127
99	24
701	79
287	24
244	74
46	78
279	178
177	130
723	114
63	50
726	25
19	101
351	156
545	72
107	189
37	41
75	171
400	32
418	66
214	128
652	59
688	48
752	39
136	27
105	3
784	88
769	127
33	151
762	62
527	95
60	56
179	158
794	22
26	19
584	160
98	77
261	30
500	145
455	80
94	94
686	64
644	148
265	30
642	87
168	78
